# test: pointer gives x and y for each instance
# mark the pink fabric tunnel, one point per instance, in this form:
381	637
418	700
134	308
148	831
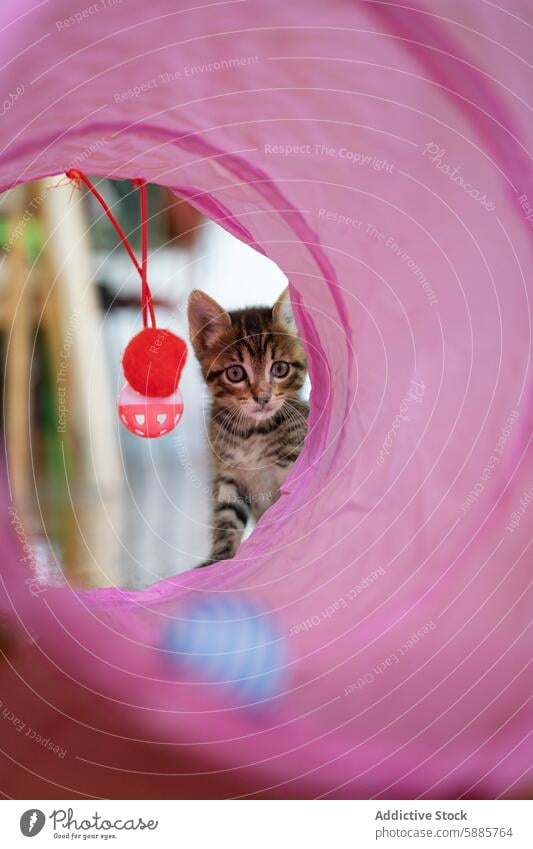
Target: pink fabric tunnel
381	156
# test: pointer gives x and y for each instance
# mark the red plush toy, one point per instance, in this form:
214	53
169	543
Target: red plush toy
149	404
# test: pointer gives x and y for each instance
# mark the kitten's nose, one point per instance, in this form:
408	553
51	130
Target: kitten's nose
262	398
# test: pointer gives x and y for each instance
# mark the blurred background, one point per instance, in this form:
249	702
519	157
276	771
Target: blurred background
97	505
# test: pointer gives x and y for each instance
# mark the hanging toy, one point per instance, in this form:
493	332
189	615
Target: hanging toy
232	643
148	416
149	404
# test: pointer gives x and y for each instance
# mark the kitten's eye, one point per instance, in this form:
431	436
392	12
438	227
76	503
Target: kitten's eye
235	374
279	369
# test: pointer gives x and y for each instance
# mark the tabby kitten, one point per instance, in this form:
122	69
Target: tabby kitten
254	365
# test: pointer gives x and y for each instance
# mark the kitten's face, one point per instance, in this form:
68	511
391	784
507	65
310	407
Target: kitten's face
251	359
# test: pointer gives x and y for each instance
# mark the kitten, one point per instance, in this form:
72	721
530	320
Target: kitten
254	366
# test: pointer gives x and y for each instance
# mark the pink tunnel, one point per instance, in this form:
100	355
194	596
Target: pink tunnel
381	156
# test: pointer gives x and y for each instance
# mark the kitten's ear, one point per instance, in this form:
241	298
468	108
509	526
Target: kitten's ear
207	320
282	312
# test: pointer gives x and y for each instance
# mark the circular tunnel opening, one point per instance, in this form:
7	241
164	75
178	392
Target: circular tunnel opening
101	506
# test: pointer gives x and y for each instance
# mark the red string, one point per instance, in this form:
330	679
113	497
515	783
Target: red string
147	306
146	296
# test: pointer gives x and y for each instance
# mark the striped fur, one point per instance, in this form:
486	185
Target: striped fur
258	422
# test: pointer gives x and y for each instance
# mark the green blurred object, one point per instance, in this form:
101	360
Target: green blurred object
33	235
124	202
